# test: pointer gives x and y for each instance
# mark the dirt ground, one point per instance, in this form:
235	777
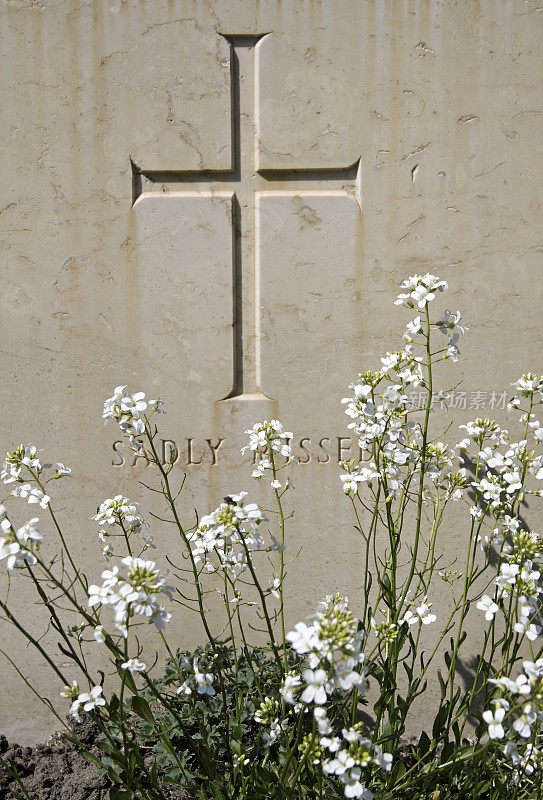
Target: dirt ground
52	771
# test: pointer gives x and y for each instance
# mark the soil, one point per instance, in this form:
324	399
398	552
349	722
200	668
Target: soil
52	771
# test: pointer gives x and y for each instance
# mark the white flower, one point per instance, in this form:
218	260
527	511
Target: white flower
270	737
158	406
451	321
29	532
133	665
512	479
533	669
519	686
332	744
323	723
134	402
315	691
74	710
523	725
389	362
363	474
291	683
426	617
531	630
135	593
121	511
511	524
22	456
98	634
345	676
383	759
17	546
488	605
353	787
414	327
494	721
239	760
508	574
160	617
92	699
204	681
302	638
342	762
184	689
148	542
62	470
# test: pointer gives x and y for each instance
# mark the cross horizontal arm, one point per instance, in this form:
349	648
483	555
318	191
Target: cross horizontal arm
301	179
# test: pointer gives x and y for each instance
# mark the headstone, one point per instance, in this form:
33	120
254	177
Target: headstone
215	203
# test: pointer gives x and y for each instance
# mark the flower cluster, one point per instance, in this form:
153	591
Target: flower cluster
380	422
333	661
386	631
357	474
517	580
266	439
517	716
127	409
501	482
350	755
133	594
332	640
421	289
18	546
33	493
530	386
229	533
120	511
24	456
264	436
268	715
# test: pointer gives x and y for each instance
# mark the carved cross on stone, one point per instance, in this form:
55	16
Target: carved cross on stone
245	183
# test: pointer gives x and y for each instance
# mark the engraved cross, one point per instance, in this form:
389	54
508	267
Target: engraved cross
245	183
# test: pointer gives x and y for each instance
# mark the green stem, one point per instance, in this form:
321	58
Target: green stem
282	556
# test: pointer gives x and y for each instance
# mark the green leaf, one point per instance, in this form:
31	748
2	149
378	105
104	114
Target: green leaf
128	679
442	684
142	709
424	743
65	652
456	731
113	776
90	758
120	794
439	722
113	705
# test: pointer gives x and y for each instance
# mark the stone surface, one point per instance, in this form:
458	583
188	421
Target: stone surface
141	245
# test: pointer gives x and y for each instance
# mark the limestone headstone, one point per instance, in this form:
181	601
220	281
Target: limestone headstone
214	203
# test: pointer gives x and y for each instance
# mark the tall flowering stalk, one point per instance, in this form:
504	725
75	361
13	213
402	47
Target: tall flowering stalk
322	710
